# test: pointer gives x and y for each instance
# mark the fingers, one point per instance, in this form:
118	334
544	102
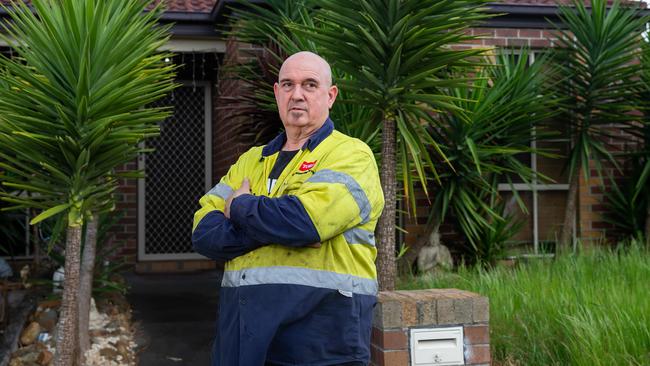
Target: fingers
315	245
245	186
226	210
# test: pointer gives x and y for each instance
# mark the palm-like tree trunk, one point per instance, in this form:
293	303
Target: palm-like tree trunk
66	335
566	235
86	286
386	266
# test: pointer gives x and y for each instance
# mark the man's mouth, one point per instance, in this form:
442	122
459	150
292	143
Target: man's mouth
297	109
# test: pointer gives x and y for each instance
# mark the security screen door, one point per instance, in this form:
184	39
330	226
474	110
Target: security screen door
178	173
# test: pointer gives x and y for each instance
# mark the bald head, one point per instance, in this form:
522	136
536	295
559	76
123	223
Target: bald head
304	92
310	58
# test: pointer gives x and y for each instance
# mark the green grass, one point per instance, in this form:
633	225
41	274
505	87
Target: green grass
591	309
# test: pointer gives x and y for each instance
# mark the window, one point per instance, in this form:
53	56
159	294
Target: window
545	200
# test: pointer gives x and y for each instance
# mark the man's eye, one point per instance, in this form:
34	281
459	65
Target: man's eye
287	85
311	85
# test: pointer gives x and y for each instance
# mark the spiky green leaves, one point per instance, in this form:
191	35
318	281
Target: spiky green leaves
73	104
482	139
597	58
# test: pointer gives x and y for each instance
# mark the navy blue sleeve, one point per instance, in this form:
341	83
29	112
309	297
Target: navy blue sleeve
281	220
217	238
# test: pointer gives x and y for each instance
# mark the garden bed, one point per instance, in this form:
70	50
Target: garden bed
591	309
111	334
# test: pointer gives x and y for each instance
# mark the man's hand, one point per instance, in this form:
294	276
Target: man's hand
244	189
315	245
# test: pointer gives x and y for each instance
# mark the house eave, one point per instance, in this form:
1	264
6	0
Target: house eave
527	16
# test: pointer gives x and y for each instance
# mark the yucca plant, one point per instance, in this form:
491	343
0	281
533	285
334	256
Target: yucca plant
627	200
481	139
73	107
596	57
644	151
394	54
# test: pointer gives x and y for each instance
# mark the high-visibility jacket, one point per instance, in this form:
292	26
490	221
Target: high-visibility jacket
282	301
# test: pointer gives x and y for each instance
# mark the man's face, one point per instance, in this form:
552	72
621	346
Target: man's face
304	92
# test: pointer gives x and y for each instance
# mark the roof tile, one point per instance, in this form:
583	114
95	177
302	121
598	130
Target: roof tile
183	6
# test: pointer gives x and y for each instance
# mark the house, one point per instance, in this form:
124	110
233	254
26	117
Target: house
200	141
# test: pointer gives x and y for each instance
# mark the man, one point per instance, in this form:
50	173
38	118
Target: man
295	220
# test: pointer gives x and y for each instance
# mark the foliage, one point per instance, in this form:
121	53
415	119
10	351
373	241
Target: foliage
265	26
596	82
598	75
492	239
627	200
107	262
71	105
643	100
12	232
549	313
394	55
271	27
481	140
75	106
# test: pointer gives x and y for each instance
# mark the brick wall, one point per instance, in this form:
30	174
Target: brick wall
591	226
228	143
513	37
398	312
125	234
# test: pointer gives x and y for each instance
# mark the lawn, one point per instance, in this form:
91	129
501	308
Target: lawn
590	309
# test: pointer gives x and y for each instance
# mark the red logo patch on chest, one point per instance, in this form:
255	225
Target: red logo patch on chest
306	165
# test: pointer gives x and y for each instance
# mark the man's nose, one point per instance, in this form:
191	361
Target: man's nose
297	93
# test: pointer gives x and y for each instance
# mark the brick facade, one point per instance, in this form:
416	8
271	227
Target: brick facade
229	141
591	226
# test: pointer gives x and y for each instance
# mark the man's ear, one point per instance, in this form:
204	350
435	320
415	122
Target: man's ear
276	87
332	93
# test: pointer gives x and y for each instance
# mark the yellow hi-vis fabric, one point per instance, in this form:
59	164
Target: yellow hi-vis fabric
338	185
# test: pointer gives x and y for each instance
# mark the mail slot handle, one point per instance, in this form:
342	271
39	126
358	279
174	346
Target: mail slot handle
436	343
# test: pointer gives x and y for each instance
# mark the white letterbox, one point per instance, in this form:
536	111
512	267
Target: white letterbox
437	347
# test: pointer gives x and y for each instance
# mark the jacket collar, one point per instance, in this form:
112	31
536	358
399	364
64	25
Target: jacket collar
276	144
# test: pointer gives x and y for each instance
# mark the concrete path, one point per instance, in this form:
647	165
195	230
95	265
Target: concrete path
177	314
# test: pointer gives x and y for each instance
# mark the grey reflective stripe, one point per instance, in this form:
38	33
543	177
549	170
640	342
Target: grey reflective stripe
222	190
299	276
359	236
330	176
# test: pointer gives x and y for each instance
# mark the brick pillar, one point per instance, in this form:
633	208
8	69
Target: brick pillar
399	311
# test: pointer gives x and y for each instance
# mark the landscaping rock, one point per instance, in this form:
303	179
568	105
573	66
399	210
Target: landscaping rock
109	353
111	338
47	319
45	357
97	333
50	304
21	352
25	356
29	334
122	347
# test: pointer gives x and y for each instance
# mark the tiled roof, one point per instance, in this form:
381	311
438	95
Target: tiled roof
183	6
190	6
